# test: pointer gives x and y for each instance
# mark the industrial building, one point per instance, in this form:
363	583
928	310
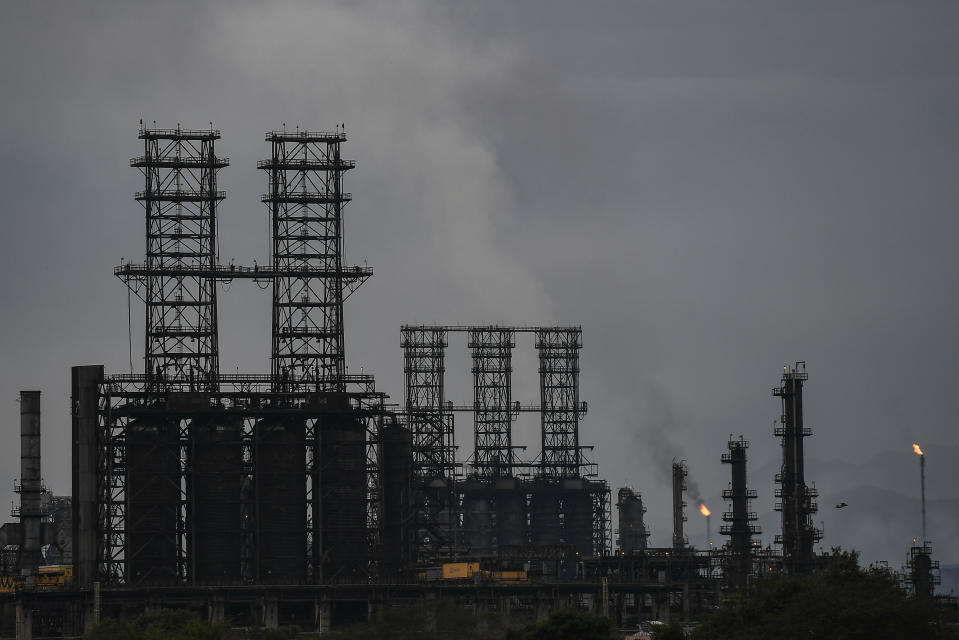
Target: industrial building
300	495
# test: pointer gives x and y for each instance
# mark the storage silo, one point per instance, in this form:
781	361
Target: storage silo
396	467
578	520
544	514
511	527
216	470
341	525
280	501
153	499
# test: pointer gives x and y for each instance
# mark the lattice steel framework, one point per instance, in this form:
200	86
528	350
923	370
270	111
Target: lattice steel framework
181	384
180	197
602	531
559	397
430	420
492	350
797	499
431	426
306	201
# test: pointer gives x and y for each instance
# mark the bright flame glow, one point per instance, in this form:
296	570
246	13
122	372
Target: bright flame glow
703	510
915	447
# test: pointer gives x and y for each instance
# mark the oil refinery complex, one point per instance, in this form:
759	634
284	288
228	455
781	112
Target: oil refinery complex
301	496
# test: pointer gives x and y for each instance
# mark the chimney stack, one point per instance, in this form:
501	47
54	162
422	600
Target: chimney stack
30	486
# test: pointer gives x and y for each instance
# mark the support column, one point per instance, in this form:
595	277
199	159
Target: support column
271	612
543	605
324	614
216	608
24	620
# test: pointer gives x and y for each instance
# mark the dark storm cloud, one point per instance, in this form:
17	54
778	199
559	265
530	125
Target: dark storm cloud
712	190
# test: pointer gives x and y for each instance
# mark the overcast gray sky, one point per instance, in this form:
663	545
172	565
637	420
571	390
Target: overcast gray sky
712	190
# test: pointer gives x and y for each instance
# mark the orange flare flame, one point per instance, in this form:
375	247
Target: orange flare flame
703	510
915	447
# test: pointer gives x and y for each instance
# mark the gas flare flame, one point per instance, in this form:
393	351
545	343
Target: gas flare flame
703	510
915	447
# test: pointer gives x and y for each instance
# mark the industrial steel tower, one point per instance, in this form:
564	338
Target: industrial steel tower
501	505
559	392
306	201
493	508
797	500
289	460
177	283
492	349
739	520
431	427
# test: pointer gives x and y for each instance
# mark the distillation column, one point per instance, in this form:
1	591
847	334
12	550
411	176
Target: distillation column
797	500
679	504
633	535
739	520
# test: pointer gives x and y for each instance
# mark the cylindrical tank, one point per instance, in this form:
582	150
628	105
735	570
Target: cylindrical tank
544	516
478	521
153	502
216	460
510	517
280	501
396	466
341	475
578	520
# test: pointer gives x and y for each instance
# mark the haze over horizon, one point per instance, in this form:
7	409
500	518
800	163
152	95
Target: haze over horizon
710	190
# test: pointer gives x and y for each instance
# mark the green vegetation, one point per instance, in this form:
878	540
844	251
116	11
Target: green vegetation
843	602
428	620
671	631
170	624
567	625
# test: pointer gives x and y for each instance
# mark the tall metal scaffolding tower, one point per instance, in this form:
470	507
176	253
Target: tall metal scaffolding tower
180	197
797	500
492	350
559	392
152	477
739	520
306	201
431	427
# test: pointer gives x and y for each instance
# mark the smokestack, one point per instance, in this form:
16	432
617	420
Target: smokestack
709	535
30	486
